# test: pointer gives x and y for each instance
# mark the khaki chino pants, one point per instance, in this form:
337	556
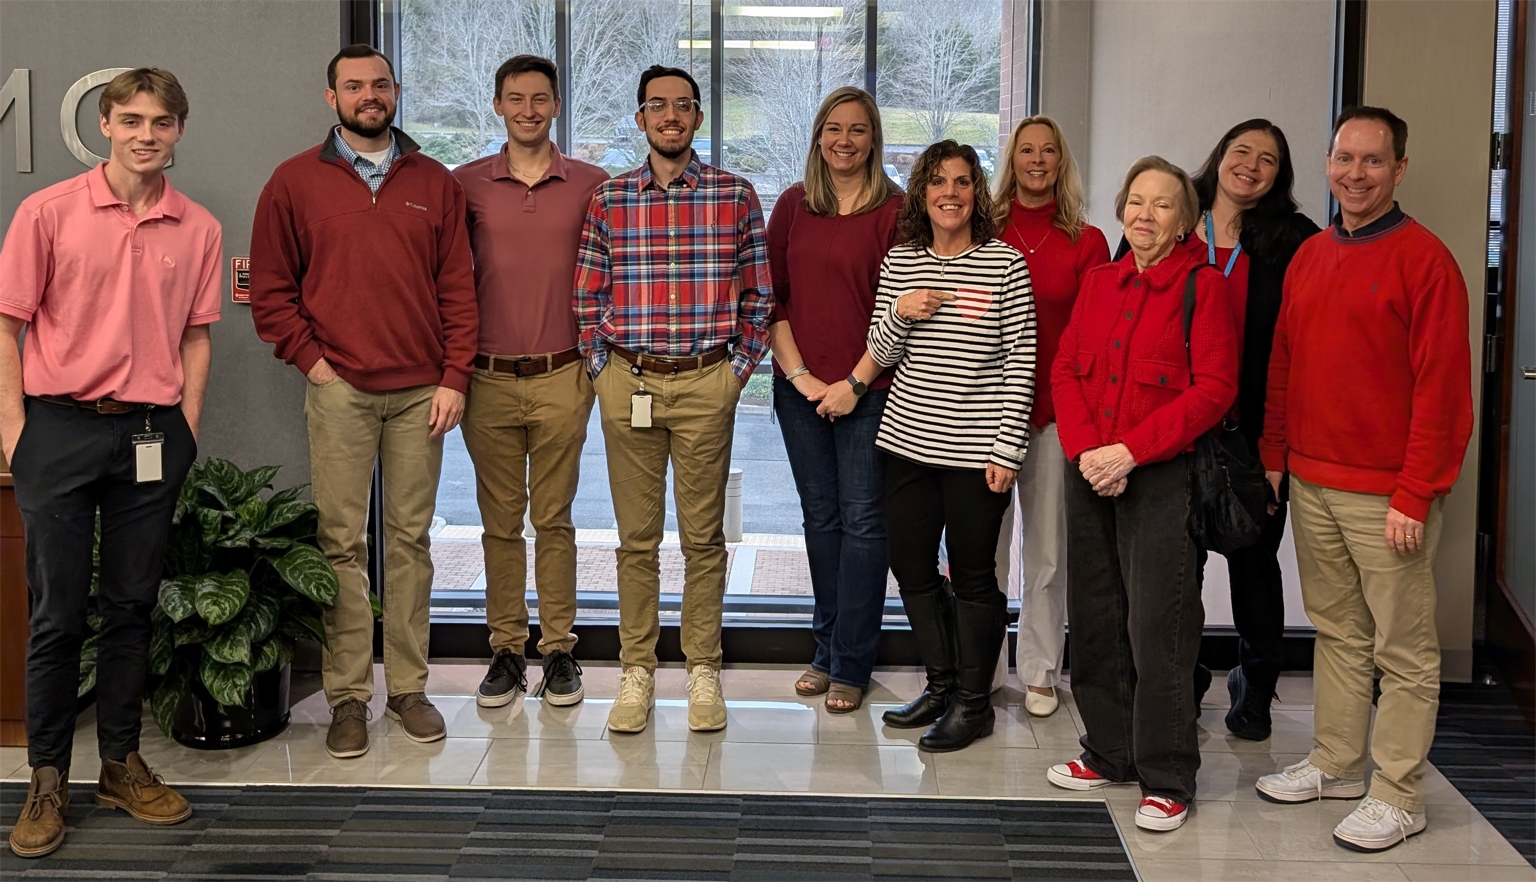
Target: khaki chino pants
525	435
1373	608
693	420
348	430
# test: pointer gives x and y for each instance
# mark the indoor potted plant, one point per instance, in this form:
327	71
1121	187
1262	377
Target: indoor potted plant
243	582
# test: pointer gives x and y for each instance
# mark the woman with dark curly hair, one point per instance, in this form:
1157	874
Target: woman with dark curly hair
954	314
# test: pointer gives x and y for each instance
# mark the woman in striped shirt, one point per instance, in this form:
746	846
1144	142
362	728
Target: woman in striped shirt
955	316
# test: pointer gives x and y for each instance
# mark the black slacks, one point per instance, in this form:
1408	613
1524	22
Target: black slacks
922	503
1258	605
68	463
1136	614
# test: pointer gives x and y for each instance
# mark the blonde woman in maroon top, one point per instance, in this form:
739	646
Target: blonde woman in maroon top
1040	211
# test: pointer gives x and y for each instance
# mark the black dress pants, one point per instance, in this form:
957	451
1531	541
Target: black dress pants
925	502
1136	614
68	463
1258	605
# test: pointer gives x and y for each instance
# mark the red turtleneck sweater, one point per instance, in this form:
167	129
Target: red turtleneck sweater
1056	269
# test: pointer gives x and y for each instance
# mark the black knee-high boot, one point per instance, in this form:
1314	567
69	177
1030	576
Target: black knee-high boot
980	629
932	618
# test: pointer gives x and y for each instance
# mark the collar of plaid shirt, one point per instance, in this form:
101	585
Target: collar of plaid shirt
689	177
372	174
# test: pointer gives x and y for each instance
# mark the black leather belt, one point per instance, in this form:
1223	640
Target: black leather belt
100	405
527	365
658	364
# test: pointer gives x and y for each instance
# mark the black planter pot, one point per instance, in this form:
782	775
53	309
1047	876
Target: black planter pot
200	723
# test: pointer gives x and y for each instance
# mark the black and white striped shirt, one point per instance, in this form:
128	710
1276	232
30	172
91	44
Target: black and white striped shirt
965	377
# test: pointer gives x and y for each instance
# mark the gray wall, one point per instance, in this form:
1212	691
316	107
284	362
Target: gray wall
254	72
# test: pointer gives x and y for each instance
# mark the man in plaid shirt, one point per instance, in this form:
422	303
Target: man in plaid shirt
673	301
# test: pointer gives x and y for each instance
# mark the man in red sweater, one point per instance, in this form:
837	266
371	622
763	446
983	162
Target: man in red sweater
1369	409
361	277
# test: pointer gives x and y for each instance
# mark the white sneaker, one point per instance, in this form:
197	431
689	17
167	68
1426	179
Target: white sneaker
706	706
1041	705
637	695
1161	814
1377	826
1304	782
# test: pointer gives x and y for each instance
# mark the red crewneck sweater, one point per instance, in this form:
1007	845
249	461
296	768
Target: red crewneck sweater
1056	269
1370	387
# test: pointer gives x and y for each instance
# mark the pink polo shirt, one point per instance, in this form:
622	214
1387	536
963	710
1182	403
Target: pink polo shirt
524	241
106	294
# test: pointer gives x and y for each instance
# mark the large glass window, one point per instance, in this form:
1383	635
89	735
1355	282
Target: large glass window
936	69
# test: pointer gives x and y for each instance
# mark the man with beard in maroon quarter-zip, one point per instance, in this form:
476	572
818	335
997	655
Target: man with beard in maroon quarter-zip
361	278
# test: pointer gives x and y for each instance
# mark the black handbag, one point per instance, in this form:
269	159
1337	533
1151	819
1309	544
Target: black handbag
1229	496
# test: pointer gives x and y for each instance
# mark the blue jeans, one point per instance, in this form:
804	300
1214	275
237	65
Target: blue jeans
841	479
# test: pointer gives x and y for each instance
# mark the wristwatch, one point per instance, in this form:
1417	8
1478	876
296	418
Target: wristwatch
859	388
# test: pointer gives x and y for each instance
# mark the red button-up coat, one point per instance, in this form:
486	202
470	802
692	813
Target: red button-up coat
1122	374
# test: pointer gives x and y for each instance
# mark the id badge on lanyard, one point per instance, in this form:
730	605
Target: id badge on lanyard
1210	247
148	465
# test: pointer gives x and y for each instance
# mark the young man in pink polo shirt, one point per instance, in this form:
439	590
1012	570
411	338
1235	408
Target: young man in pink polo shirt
115	276
529	398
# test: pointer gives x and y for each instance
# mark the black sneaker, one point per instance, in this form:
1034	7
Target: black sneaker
505	681
562	680
1249	717
1202	685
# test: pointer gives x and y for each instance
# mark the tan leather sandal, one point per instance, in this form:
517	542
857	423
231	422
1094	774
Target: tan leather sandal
821	682
843	692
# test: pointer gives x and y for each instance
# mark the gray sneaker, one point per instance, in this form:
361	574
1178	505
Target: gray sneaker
417	717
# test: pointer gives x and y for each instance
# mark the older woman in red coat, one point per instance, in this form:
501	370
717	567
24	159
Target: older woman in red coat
1131	398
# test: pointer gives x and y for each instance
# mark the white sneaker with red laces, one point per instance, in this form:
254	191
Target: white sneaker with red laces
1075	776
1161	813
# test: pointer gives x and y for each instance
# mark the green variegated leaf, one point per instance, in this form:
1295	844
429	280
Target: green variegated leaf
267	655
231	645
281	514
238	536
310	574
375	605
93	618
262	610
220	597
287	494
273	543
162	647
165	698
187	499
227	683
252	512
88	652
177	597
192	631
224	481
257	480
284	652
212	521
303	628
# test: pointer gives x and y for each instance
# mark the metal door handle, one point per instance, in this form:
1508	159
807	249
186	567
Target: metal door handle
1530	373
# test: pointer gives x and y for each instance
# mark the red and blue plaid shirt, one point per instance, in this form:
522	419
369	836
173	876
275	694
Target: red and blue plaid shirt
674	271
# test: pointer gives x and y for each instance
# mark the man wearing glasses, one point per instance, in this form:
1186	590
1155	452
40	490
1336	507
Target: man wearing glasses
673	301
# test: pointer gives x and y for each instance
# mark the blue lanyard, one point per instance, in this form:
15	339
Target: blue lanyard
1210	247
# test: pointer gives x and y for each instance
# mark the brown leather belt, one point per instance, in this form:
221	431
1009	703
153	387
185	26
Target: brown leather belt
527	365
100	405
658	364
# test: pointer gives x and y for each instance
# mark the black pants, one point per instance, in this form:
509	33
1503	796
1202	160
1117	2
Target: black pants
68	463
1258	605
924	502
1134	604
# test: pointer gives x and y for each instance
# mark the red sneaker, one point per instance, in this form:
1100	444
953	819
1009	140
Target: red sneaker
1161	813
1075	776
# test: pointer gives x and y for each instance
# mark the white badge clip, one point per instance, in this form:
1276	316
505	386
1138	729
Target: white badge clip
640	410
147	448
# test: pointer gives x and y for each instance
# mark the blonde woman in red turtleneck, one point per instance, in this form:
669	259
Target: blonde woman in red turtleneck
1041	212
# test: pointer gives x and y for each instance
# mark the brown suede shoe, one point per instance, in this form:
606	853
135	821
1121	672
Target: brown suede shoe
133	787
348	735
40	829
417	716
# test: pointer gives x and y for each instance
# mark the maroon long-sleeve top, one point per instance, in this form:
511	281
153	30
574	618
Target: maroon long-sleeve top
825	271
1121	373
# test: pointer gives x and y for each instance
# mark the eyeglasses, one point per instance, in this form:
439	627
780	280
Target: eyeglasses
659	105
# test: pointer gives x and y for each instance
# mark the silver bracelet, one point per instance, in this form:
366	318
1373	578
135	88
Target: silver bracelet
800	371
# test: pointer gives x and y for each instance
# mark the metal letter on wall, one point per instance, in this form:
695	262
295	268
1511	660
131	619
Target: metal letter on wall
71	104
17	92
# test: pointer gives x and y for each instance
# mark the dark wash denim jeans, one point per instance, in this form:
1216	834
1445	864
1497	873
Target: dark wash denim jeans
841	479
1136	614
68	462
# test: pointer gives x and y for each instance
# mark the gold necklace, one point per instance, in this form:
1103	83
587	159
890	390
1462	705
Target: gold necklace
1037	244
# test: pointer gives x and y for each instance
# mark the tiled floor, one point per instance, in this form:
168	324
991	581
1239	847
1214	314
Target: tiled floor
777	742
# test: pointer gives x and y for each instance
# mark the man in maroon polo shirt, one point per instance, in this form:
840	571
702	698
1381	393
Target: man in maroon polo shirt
529	398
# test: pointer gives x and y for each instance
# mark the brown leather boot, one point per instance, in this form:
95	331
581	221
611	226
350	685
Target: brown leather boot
131	786
40	829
